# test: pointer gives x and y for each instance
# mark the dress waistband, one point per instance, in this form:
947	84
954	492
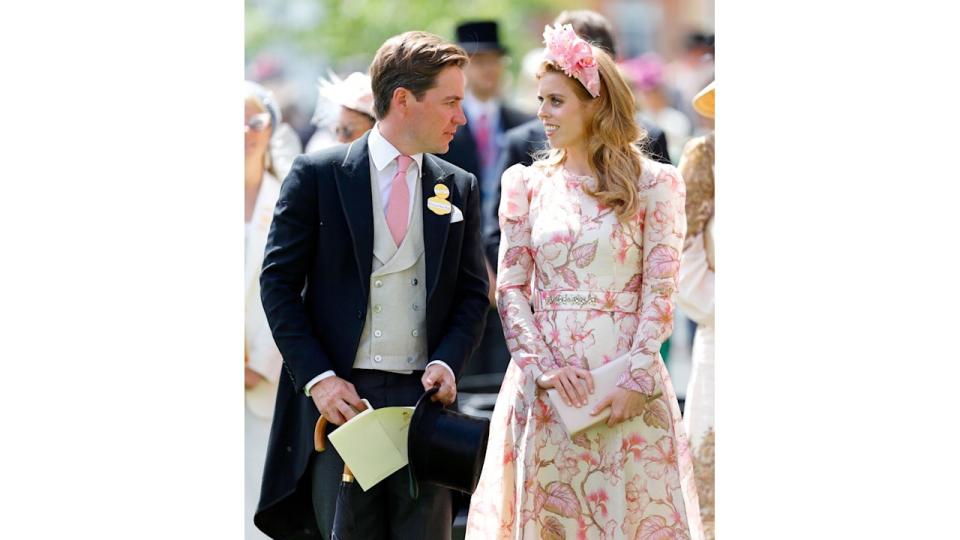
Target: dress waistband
565	300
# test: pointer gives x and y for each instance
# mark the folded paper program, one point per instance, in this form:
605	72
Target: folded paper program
374	443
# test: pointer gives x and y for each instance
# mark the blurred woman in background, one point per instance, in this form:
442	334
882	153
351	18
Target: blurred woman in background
269	149
352	115
696	298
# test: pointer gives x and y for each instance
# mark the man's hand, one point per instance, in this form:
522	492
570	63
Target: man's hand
439	375
624	404
336	399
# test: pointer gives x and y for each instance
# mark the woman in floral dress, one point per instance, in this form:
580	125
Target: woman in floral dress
589	259
696	298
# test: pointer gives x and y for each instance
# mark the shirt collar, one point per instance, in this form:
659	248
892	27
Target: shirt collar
474	107
382	152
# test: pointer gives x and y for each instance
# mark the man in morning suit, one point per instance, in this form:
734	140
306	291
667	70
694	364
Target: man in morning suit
374	286
476	148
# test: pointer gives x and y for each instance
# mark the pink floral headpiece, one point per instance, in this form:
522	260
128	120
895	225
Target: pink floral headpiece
573	55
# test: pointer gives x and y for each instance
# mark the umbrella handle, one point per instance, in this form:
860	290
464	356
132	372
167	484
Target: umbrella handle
320	445
318	441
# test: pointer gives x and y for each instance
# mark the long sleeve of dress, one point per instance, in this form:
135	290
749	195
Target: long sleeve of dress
514	271
696	297
664	226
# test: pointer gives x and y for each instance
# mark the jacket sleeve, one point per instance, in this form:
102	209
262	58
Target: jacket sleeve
290	249
470	303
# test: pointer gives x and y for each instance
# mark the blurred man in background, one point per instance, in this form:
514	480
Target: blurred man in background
476	149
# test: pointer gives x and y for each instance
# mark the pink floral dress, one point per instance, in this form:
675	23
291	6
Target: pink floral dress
576	287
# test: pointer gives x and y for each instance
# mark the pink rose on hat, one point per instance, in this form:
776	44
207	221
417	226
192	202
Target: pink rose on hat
573	56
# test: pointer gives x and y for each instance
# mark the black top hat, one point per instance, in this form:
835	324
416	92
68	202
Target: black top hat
479	36
445	447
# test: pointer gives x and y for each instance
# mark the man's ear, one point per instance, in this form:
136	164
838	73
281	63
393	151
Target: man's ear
400	99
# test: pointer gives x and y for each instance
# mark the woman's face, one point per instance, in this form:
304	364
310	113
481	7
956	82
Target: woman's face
563	115
351	125
256	131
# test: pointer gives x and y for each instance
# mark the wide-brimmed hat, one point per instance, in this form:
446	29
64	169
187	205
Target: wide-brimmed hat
480	36
704	100
445	447
354	92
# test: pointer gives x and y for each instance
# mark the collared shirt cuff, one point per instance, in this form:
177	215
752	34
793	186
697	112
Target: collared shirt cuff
326	374
444	364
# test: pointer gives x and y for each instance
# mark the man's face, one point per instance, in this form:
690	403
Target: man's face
434	119
484	72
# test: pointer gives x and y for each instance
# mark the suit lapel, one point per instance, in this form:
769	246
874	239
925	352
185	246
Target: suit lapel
435	227
356	199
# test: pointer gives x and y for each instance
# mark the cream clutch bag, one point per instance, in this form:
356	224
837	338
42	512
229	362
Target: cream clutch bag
577	419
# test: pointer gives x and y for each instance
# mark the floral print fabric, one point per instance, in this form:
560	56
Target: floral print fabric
634	480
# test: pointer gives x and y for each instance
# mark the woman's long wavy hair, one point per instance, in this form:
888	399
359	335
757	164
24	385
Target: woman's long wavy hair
612	138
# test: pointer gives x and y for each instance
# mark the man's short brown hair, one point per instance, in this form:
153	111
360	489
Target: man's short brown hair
411	60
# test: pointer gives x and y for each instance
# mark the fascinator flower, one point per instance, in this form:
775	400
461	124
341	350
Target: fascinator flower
573	56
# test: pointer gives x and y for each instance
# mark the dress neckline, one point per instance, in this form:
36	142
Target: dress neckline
577	179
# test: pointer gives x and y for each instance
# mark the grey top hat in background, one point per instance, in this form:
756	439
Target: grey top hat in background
480	36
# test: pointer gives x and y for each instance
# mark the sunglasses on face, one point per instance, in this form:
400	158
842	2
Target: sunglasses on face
345	131
258	122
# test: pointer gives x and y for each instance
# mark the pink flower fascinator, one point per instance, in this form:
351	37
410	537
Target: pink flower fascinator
573	55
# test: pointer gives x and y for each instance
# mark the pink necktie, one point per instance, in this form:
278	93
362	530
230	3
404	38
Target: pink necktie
399	203
483	139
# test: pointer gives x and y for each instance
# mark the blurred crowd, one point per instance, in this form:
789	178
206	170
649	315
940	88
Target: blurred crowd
664	88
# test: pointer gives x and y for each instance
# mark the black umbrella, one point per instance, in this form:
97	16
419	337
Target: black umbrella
343	521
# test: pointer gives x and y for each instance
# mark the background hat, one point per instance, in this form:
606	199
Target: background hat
704	100
354	92
480	36
445	447
269	101
645	71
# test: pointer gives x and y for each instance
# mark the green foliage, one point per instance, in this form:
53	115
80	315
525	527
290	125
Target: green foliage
351	28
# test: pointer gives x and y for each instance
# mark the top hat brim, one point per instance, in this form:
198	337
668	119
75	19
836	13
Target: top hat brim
473	47
418	412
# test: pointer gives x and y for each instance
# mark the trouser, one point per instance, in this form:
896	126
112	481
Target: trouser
385	511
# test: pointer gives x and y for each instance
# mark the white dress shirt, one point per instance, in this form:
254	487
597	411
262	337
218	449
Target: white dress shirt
383	165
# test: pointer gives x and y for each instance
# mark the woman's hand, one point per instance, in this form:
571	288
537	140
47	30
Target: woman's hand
251	378
573	384
624	404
